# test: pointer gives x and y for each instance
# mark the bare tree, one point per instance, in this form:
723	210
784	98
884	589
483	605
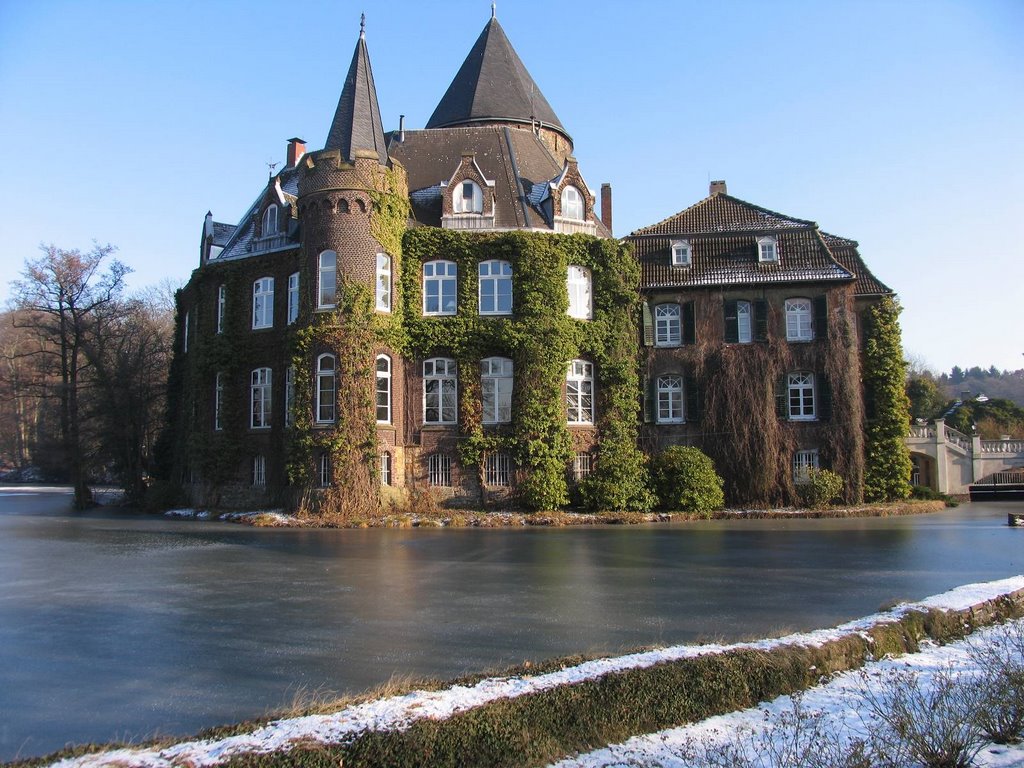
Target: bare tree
60	296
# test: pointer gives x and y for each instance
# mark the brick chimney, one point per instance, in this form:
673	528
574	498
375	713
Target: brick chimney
718	188
296	149
606	205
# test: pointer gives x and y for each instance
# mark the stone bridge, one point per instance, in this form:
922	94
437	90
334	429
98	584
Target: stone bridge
950	461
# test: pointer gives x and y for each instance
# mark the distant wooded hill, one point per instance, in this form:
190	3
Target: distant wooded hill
1007	385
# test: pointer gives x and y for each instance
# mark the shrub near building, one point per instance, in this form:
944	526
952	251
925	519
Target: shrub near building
685	479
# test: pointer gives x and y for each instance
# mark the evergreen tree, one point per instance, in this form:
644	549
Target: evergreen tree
887	461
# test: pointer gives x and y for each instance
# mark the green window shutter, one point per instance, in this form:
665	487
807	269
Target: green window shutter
823	407
821	317
782	397
760	320
689	324
693	399
648	324
732	326
650	398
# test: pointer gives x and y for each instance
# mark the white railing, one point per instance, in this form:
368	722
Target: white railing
467	221
922	431
958	439
1002	446
270	242
566	226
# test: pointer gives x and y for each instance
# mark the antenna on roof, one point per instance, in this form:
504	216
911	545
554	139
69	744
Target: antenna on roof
494	9
270	169
362	26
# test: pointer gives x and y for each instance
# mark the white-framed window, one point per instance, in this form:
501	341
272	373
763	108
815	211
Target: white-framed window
263	303
803	462
744	332
324	470
439	287
681	253
439	470
289	395
582	465
383	391
260	398
495	287
496	389
572	203
327	280
799	325
800	395
383	282
218	402
270	220
184	335
670	399
222	304
577	283
579	392
385	468
325	371
498	470
259	470
293	297
767	249
440	391
467	197
668	325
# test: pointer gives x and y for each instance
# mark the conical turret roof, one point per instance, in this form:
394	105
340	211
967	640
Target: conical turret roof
493	86
357	123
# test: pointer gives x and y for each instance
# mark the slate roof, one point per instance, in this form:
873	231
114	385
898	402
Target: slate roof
723	232
222	233
239	244
357	123
515	159
493	85
846	253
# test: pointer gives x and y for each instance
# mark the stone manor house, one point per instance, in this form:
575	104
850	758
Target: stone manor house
746	323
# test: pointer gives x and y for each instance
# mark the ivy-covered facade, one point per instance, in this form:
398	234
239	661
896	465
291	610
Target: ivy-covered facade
443	311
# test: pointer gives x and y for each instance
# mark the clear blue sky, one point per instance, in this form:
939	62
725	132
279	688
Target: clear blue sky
898	124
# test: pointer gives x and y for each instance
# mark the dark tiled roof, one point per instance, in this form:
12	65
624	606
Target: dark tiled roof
493	85
722	213
357	123
727	258
239	244
431	156
222	233
845	252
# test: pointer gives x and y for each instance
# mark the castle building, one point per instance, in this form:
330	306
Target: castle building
444	308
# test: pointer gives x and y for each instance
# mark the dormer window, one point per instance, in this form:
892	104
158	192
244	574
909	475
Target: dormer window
468	198
681	253
572	204
270	220
767	249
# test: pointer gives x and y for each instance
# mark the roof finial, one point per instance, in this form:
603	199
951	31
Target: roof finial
494	9
362	26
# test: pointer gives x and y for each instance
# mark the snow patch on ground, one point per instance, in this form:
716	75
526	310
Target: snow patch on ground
398	712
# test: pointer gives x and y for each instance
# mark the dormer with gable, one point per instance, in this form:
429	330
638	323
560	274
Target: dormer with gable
467	198
570	203
274	222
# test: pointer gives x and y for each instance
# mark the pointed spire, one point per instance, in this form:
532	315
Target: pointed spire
494	9
357	123
493	86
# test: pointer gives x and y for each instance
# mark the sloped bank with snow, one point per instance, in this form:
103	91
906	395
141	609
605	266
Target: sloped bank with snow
529	720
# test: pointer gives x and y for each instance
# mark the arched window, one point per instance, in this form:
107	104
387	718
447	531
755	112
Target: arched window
440	391
496	389
670	399
325	366
803	462
800	393
383	389
439	470
222	301
260	398
263	303
439	287
498	470
293	297
798	320
467	198
327	282
667	325
572	204
270	220
383	282
578	286
579	392
495	288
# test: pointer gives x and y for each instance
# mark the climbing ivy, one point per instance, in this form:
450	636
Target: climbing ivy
887	460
